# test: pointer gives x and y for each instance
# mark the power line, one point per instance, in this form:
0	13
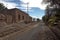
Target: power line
25	7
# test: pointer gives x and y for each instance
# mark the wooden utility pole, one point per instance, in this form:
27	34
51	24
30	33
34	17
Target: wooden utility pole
28	7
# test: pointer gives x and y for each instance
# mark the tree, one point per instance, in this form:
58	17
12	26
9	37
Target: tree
54	18
38	19
2	7
52	14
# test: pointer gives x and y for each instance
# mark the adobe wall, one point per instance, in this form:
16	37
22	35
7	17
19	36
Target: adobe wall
14	16
9	19
20	16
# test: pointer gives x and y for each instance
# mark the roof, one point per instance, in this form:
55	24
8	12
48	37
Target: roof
19	10
8	11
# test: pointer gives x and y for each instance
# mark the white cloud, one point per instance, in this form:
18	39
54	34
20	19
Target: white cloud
9	5
37	17
35	3
32	3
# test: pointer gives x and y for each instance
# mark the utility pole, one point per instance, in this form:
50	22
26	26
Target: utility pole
28	7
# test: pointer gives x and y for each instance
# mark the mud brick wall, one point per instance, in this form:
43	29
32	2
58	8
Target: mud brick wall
14	15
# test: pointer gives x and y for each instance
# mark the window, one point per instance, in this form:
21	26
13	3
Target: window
19	17
23	17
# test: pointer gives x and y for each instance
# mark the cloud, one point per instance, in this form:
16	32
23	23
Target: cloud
35	3
9	5
13	1
37	17
32	3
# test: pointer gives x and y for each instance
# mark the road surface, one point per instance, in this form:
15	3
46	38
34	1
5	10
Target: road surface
40	32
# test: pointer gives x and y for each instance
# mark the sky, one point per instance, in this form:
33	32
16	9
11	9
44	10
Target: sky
35	7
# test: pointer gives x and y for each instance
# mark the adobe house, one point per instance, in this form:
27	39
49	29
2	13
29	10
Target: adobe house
14	15
2	17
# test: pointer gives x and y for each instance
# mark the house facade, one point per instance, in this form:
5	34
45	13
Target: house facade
14	15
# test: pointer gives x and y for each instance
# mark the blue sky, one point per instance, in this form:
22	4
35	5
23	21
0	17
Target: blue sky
36	8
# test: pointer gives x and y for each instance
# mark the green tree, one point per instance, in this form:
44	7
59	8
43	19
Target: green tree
52	14
38	19
2	7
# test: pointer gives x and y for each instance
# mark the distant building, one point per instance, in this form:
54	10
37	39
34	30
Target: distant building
14	15
34	19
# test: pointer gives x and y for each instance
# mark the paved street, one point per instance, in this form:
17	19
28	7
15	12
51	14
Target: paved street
39	32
